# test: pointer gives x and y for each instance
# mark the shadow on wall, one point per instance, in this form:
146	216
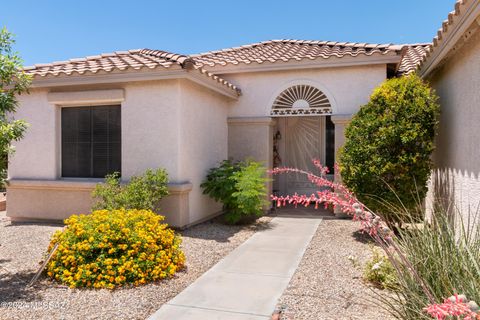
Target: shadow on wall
455	193
443	197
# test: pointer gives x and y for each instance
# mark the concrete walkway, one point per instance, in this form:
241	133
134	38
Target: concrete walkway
248	282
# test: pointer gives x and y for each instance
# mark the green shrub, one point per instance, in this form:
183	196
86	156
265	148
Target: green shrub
388	146
240	187
107	249
142	192
379	271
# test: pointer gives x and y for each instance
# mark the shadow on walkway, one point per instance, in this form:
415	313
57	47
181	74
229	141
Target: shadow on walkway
303	212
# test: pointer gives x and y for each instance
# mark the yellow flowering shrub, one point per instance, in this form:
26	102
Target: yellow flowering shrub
108	249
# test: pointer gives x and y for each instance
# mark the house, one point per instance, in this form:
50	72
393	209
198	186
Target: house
452	67
282	101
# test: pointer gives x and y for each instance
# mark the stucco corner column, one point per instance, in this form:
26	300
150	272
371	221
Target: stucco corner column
175	206
340	121
252	137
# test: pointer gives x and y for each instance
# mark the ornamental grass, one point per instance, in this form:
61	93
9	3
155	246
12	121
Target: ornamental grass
441	259
109	249
432	260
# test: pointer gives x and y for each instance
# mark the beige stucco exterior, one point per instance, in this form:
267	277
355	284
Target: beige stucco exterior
174	123
347	87
161	127
456	179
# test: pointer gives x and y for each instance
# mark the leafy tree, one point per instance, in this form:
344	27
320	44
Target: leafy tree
13	82
386	157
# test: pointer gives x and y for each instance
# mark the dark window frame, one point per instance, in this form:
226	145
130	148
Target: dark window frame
91	143
330	144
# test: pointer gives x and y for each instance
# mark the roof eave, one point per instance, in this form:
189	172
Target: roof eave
51	81
345	61
103	77
449	39
211	84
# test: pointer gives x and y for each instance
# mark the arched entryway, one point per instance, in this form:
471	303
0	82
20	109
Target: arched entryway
304	131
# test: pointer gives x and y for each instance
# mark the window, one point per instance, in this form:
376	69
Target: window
91	141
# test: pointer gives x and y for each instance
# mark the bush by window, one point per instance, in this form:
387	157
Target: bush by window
142	192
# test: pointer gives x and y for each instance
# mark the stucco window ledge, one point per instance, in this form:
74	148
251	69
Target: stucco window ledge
62	184
81	184
37	199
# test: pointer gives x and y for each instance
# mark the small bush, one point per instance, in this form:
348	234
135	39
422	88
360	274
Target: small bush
379	271
386	156
239	186
107	249
142	192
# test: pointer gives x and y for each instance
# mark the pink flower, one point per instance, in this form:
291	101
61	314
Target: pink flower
331	194
455	306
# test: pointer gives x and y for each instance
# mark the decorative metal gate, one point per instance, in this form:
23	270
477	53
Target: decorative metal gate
304	141
306	130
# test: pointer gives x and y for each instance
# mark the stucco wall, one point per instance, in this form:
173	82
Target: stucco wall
173	124
346	87
149	119
36	154
456	179
150	131
203	143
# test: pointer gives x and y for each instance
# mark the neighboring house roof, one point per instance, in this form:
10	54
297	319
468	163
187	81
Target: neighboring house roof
141	59
288	50
460	25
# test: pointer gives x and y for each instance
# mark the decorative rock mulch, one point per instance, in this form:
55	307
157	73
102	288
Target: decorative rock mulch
22	246
326	284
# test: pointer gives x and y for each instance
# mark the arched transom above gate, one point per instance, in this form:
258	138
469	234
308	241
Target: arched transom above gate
301	100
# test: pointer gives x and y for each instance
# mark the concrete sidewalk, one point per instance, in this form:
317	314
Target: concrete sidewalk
248	282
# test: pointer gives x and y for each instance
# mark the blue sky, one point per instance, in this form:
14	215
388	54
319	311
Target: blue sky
51	30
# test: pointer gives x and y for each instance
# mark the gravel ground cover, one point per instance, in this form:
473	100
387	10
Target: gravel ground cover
22	246
326	284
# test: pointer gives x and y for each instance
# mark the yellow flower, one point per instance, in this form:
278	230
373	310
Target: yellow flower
140	232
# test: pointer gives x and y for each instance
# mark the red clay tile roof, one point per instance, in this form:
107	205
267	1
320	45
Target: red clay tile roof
290	50
120	61
188	63
412	56
271	51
